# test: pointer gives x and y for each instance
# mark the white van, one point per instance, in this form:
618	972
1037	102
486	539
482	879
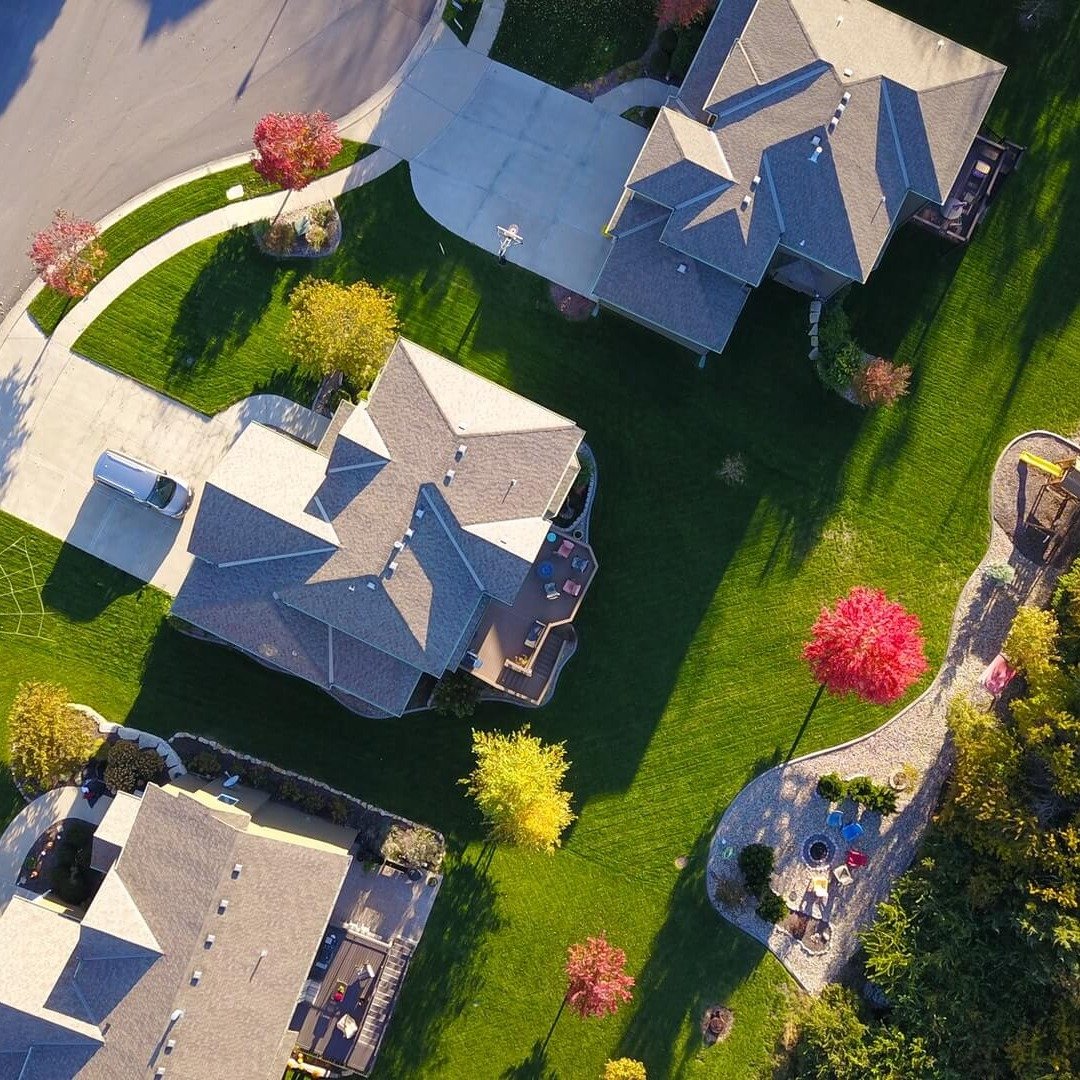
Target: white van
143	483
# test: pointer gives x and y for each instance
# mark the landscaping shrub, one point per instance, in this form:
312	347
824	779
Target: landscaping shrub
338	809
128	767
456	695
277	238
772	907
1001	574
881	382
1031	642
1066	606
838	370
683	54
290	790
205	763
756	861
879	799
730	892
860	788
834	330
412	847
311	802
71	877
831	787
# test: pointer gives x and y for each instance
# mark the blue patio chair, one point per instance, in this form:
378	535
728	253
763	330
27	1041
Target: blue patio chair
851	831
835	819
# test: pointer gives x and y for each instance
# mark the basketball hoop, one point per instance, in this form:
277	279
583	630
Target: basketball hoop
508	236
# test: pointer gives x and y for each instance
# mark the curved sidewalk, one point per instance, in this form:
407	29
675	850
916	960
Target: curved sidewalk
34	818
781	807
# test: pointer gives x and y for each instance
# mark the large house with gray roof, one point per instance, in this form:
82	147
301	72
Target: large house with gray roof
804	134
188	962
369	564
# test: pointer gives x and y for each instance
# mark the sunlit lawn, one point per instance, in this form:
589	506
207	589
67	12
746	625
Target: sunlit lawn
688	680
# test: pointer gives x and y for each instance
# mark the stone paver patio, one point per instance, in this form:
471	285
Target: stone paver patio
782	808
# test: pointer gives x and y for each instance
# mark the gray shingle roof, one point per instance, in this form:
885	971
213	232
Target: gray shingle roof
176	865
679	161
437	495
773	74
641	276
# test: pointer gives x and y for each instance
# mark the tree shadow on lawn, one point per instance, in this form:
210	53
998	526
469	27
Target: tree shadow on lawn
697	959
223	305
446	972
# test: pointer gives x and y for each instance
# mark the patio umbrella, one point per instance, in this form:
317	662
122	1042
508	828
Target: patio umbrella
545	570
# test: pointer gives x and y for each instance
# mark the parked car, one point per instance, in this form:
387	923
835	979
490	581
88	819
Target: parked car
143	483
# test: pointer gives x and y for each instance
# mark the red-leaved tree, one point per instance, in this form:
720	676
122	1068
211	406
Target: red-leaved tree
598	983
866	645
290	148
67	254
680	12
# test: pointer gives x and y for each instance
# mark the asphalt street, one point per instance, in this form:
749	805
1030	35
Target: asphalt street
100	99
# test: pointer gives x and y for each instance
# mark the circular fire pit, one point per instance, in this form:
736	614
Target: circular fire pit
818	850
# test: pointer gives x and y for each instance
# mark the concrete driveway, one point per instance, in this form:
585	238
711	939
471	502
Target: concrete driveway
100	99
59	411
490	146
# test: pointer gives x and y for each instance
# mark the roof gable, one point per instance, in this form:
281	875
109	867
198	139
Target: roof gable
680	160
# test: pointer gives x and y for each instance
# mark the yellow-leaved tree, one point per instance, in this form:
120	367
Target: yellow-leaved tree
624	1069
517	783
347	328
49	739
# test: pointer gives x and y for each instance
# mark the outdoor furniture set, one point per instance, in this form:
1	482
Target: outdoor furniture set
577	563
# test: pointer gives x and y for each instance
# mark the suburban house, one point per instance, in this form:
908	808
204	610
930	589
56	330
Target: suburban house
417	537
804	134
189	960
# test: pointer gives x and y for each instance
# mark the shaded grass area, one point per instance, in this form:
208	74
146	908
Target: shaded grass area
687	682
566	42
462	18
170	209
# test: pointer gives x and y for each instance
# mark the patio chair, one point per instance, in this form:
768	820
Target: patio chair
572	587
835	820
819	885
565	548
856	859
851	831
551	591
580	563
842	874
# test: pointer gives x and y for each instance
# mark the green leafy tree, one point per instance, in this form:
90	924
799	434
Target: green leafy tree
1031	645
347	328
517	784
456	695
49	740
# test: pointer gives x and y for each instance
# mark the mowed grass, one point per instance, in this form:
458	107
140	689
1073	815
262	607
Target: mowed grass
168	210
567	42
688	680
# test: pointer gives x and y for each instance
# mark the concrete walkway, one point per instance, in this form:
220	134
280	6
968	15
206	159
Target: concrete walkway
645	92
45	811
487	26
781	807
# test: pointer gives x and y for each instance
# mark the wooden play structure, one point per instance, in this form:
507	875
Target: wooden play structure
1062	484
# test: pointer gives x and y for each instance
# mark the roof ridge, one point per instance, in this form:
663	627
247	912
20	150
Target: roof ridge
999	74
746	57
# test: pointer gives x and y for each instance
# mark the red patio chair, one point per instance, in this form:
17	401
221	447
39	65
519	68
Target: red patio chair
572	587
565	548
856	859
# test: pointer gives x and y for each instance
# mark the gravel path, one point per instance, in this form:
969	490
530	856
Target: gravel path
782	808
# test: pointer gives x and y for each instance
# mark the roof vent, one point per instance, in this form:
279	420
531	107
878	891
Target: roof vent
371	585
391	567
160	1071
399	544
941	43
839	19
815	155
223	906
681	268
170	1046
845	97
754	183
449	477
176	1014
848	73
196	977
237	869
746	201
209	943
419	513
352	588
816	140
832	125
408	535
461	451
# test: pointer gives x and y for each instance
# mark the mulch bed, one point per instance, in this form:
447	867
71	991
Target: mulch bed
572	306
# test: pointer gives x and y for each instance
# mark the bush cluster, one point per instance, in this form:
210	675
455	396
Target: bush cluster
128	767
861	790
756	861
840	357
456	695
412	847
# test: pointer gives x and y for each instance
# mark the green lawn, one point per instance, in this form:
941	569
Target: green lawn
567	42
464	21
170	209
688	681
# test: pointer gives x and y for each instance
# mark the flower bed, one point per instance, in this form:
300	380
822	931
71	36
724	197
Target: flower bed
313	232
